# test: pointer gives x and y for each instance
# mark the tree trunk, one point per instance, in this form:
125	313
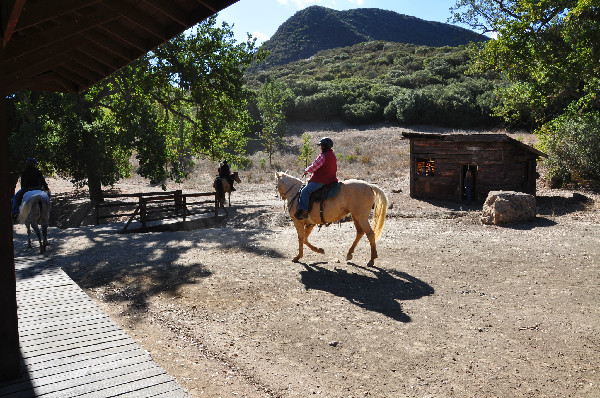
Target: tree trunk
92	148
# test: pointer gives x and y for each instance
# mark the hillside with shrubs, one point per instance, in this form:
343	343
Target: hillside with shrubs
379	81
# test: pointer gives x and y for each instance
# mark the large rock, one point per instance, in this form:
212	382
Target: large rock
505	207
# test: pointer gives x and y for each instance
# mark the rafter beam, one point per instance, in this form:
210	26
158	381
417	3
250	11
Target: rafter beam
100	39
168	9
125	35
18	48
8	26
102	57
209	4
39	12
35	63
134	15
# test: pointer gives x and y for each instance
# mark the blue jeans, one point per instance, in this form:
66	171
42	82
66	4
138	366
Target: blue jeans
15	202
305	194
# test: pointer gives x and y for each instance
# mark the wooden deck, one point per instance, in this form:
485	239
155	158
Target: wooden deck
71	348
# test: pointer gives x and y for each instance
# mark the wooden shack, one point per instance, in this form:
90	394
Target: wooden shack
439	163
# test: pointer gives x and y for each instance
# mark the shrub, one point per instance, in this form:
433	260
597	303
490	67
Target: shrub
572	143
362	112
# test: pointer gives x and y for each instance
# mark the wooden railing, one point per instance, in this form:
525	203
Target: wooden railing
156	206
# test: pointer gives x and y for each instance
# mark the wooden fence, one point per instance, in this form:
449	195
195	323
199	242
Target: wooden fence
155	206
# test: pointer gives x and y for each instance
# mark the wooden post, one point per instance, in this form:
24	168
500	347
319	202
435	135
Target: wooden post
143	213
178	202
183	206
10	356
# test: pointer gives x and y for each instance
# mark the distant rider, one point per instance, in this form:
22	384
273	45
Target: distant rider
324	170
225	172
31	179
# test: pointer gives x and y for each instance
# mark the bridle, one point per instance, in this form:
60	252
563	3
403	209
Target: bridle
293	197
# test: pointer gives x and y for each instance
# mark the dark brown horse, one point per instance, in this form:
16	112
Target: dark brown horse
226	187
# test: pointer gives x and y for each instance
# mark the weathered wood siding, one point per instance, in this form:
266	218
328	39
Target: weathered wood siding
501	165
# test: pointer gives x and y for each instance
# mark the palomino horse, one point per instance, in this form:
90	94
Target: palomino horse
34	210
355	197
226	188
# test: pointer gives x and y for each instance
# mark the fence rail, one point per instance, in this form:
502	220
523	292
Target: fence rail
156	206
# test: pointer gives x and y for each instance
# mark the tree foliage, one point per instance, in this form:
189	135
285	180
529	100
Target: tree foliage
550	50
273	100
185	99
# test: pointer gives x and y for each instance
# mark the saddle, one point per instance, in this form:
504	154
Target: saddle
321	195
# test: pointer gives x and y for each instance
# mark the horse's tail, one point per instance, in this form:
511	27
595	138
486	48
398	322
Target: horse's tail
43	203
26	208
380	210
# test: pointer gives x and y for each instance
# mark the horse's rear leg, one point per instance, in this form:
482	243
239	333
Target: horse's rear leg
39	236
29	245
359	234
307	230
45	239
363	227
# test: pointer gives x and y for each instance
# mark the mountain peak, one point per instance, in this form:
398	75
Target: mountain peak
317	28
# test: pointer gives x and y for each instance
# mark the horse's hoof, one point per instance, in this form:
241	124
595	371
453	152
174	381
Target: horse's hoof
371	263
349	257
320	251
296	260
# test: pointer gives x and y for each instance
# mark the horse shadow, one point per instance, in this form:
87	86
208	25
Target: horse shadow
380	292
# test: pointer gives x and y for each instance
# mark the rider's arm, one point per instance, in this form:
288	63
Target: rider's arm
319	161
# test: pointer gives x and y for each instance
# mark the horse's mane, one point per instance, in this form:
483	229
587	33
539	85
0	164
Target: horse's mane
281	174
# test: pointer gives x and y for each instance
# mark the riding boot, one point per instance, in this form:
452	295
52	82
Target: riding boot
232	188
301	214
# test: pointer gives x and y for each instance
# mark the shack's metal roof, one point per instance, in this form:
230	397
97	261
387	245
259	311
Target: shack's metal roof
473	137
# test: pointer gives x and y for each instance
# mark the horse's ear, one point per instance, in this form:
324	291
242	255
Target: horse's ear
277	174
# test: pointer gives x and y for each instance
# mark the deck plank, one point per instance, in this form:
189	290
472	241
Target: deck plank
71	348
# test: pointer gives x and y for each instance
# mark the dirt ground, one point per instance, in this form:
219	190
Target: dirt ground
452	308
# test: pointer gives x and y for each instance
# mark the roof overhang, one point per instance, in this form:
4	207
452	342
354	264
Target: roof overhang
69	45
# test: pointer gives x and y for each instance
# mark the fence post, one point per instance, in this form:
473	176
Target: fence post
184	207
143	213
178	202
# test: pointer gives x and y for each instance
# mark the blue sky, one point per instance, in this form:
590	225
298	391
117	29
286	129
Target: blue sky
261	18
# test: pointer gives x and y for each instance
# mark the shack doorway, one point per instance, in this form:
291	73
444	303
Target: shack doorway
463	183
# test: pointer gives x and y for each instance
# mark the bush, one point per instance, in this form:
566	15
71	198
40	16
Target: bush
362	112
411	107
572	143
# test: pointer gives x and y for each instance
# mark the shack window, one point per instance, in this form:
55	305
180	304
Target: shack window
425	167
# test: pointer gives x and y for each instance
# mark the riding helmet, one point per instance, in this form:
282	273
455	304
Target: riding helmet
326	143
31	162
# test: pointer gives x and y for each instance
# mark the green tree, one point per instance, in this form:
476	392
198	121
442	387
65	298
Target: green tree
306	151
550	50
185	99
273	100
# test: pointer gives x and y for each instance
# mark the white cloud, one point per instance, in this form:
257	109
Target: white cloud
300	4
261	37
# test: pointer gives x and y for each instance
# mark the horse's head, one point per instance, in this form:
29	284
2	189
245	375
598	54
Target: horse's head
236	177
285	183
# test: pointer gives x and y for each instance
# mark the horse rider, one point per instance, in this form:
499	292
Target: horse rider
324	170
31	179
225	172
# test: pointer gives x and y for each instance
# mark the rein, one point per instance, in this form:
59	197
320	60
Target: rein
291	200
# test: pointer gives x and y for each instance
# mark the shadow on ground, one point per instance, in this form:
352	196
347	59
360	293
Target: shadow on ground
379	292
